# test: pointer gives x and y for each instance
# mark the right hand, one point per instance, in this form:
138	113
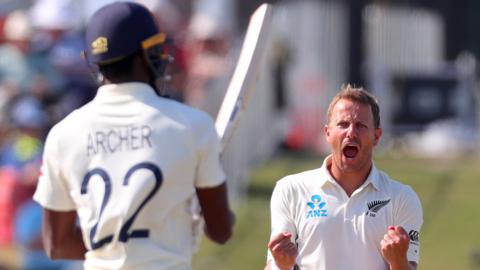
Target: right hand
283	250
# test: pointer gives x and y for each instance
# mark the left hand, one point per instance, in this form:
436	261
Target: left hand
394	246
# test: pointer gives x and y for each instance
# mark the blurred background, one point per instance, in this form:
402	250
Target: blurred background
418	57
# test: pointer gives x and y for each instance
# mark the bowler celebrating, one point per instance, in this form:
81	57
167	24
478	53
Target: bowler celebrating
346	215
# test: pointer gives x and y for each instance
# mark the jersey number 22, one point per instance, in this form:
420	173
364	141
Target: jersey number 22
125	233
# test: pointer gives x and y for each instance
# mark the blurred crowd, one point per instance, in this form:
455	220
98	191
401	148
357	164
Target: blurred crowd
43	77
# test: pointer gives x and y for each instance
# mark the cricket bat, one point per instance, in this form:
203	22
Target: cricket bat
246	73
239	89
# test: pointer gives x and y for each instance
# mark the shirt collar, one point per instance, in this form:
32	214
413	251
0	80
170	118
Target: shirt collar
327	177
373	177
137	89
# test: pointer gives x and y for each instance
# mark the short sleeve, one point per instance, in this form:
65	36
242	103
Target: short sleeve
52	192
209	169
409	215
280	211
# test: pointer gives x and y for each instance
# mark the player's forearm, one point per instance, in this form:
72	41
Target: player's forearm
69	248
219	219
218	235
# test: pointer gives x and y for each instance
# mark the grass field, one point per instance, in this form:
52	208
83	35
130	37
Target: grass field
449	191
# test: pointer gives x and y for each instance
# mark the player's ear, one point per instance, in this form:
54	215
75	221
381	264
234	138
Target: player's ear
326	131
378	134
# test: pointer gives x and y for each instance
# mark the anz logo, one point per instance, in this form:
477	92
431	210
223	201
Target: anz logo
316	207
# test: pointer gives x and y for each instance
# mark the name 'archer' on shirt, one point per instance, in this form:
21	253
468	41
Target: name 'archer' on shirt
127	138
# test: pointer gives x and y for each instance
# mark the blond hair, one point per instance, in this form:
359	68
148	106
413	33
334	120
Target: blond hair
359	95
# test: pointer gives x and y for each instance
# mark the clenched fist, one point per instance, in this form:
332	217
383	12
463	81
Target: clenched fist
394	247
283	250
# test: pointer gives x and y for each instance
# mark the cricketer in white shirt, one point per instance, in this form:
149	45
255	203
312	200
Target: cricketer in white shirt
128	162
334	231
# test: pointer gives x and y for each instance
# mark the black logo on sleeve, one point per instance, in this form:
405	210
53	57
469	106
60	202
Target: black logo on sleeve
414	237
375	206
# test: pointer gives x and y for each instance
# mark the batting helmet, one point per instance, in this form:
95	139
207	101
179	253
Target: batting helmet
120	29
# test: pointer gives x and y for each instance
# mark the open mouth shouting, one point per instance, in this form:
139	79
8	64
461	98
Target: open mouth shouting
350	150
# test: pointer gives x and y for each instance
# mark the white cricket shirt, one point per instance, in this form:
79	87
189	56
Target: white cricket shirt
128	162
333	231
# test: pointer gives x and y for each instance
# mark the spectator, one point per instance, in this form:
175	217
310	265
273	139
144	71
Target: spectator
209	62
20	158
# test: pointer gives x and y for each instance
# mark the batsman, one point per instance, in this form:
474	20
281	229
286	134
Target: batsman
119	174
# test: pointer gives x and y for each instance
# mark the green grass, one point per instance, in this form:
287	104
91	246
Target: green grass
449	191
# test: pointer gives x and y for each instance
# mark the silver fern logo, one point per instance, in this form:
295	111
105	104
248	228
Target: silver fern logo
375	206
